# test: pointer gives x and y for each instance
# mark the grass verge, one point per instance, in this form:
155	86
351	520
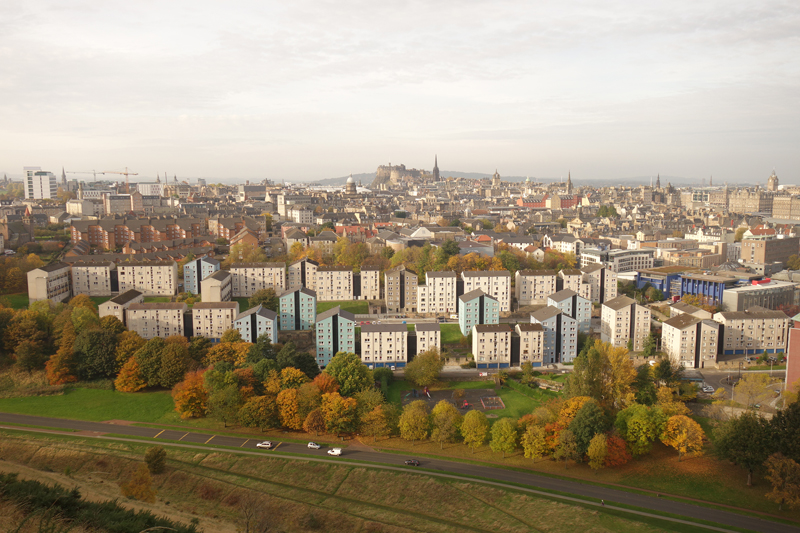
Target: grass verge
357	307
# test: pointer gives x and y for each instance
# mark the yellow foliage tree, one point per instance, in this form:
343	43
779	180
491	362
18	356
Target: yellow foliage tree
140	486
232	352
671	407
288	409
128	344
570	409
190	396
292	378
129	379
683	434
598	451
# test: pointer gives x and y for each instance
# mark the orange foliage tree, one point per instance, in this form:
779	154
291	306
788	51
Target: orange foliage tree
292	378
289	410
129	379
190	396
60	367
232	352
326	383
618	453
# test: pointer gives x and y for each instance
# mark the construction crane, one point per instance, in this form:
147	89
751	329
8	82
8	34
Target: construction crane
92	172
126	174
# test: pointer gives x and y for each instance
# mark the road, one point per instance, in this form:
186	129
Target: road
533	480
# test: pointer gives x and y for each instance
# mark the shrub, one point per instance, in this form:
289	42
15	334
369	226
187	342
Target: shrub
156	459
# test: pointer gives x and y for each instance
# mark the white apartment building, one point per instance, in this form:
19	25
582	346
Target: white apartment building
754	331
494	283
428	336
618	260
39	184
117	305
491	345
622	319
50	282
212	319
690	341
560	334
248	278
384	345
370	281
334	284
572	279
438	295
302	274
531	343
300	215
602	282
92	279
218	287
156	319
532	287
155	278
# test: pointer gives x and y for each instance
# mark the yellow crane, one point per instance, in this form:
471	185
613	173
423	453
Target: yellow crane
126	174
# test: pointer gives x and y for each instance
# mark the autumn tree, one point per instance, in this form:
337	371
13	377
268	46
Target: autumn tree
351	374
665	399
231	335
504	436
745	441
566	447
128	343
597	451
112	324
190	396
174	364
640	425
424	370
291	378
617	451
60	367
752	388
289	410
339	413
534	443
156	459
314	422
474	429
374	423
683	434
415	422
309	398
259	412
140	485
265	297
605	373
245	253
29	356
129	379
589	421
446	421
326	383
784	475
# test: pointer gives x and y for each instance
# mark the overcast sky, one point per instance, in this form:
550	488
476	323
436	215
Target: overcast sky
309	89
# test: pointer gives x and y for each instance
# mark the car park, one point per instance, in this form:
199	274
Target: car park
412	462
267	445
314	446
335	451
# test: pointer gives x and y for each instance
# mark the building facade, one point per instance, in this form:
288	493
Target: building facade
754	331
302	273
384	345
618	260
93	279
690	341
531	343
575	306
212	319
370	281
438	295
560	335
400	286
298	310
117	305
769	250
155	278
218	287
50	282
334	284
255	322
248	278
477	307
532	287
336	332
491	345
622	319
161	319
496	284
194	272
603	282
39	184
429	336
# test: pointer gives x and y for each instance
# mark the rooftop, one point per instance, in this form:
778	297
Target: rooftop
492	328
384	328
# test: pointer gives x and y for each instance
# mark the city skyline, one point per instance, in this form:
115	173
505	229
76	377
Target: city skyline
313	91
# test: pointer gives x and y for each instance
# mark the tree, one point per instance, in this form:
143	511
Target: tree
589	421
231	335
414	422
424	370
786	431
291	378
112	323
84	318
745	441
265	297
29	356
190	396
793	263
156	459
566	448
605	374
666	401
289	410
128	343
235	353
618	453
739	234
683	434
474	429
129	379
504	436
314	422
140	486
60	367
667	373
640	425
752	388
784	475
225	403
651	342
339	412
259	412
598	451
149	359
350	373
326	383
446	421
174	364
374	423
534	443
245	253
96	353
198	348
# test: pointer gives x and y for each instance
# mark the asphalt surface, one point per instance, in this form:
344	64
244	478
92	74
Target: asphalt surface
610	495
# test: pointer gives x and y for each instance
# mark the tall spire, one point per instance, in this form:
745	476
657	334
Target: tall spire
435	168
711	181
658	181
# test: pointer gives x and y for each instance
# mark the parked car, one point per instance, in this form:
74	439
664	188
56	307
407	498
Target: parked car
335	451
265	444
412	462
708	389
441	319
314	446
392	368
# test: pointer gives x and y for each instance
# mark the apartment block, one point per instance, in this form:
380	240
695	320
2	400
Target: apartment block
438	295
212	319
401	290
335	333
248	278
753	331
618	260
531	343
771	294
572	279
384	345
496	284
690	341
370	282
50	282
117	305
160	319
770	250
532	287
298	309
255	322
39	184
93	279
477	307
428	336
334	284
302	274
577	307
194	272
491	345
622	319
218	287
560	335
155	278
602	282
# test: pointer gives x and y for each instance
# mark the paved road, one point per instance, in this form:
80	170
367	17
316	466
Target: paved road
498	474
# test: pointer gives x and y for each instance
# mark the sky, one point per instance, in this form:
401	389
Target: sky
314	89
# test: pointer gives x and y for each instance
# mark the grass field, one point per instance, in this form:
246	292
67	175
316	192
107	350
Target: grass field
16	301
99	299
156	299
451	333
244	304
357	307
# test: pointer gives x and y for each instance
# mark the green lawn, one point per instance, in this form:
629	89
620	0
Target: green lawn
451	333
99	299
156	299
357	307
244	304
16	301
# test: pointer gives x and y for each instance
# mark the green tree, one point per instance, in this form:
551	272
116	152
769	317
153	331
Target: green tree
231	335
504	436
156	459
95	351
424	370
374	423
198	348
265	297
260	412
650	345
784	475
29	356
793	263
474	429
566	447
640	425
450	247
351	374
588	422
414	422
785	427
262	349
745	441
112	323
597	451
224	404
739	234
446	421
149	359
174	365
534	442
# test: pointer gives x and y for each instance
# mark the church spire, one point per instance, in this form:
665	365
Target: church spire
658	181
435	168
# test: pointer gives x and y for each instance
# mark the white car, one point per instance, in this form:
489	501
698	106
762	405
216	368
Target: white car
314	446
335	451
708	389
266	445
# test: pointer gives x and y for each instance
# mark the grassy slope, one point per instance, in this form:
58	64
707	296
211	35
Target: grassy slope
451	333
99	299
357	307
156	299
17	301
